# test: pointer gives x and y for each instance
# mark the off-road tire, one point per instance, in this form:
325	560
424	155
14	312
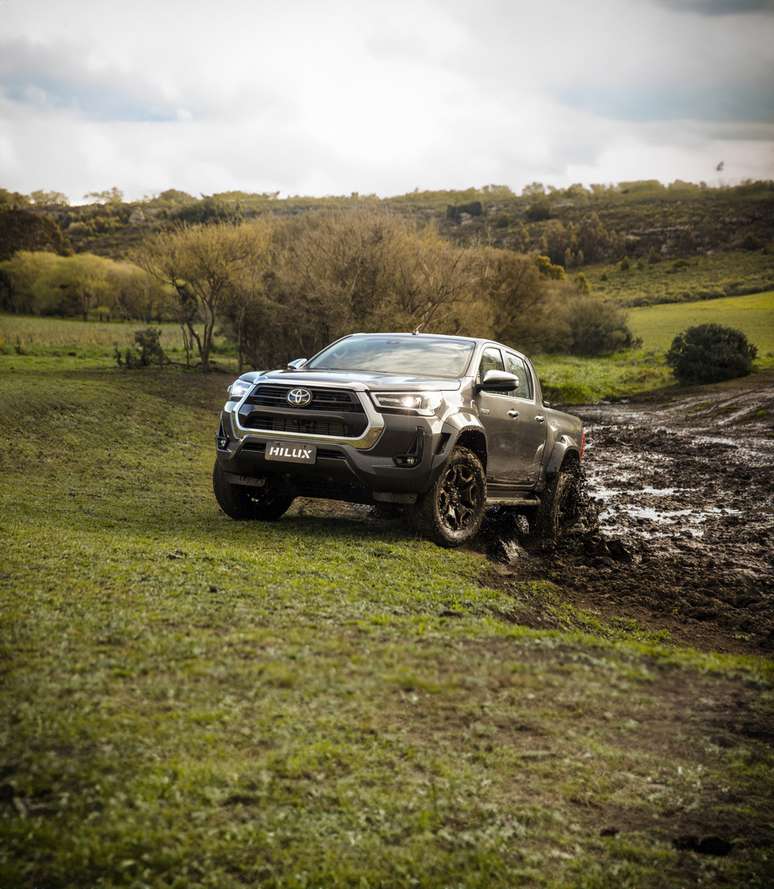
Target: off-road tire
559	504
451	512
241	502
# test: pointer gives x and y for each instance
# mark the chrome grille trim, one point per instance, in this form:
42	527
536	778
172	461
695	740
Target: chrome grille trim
367	439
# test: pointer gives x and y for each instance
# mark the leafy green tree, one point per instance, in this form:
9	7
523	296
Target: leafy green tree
556	240
539	210
111	196
174	196
533	190
24	230
593	238
13	200
206	211
49	199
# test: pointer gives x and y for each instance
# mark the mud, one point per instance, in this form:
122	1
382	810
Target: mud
679	526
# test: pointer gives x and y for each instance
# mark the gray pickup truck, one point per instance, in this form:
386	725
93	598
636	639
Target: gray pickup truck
441	426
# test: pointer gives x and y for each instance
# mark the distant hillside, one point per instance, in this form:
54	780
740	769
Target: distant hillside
575	226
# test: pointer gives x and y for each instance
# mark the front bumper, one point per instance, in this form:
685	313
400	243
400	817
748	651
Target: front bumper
344	470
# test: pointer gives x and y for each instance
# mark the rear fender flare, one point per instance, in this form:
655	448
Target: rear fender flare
564	446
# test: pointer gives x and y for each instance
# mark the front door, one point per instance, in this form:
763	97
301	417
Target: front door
496	410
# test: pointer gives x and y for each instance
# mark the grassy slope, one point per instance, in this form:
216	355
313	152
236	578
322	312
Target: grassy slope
698	277
754	315
94	342
188	701
580	380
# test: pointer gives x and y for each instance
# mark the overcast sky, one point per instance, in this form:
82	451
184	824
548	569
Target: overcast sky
331	96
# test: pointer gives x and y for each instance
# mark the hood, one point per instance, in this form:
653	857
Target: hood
363	380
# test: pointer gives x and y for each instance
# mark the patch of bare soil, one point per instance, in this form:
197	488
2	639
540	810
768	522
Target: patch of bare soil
679	528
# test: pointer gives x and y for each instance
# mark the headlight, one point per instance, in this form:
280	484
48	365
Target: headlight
238	389
423	403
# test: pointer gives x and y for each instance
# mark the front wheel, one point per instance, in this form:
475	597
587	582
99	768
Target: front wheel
451	512
242	502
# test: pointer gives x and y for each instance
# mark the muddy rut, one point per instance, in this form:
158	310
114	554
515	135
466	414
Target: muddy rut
683	488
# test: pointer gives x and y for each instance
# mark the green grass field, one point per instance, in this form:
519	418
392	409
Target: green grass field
754	315
573	380
698	277
55	341
326	701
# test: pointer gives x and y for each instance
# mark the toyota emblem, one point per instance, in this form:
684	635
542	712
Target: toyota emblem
299	397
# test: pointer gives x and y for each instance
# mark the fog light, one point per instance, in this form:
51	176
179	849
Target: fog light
412	457
222	442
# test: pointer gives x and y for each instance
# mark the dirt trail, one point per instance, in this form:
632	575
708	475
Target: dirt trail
684	484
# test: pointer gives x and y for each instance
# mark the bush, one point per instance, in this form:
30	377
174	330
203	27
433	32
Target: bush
539	211
147	350
596	327
710	353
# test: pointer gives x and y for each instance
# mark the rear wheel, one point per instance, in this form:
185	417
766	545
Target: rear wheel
451	512
242	502
559	505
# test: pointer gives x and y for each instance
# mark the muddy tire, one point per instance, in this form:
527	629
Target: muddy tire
559	505
242	503
451	512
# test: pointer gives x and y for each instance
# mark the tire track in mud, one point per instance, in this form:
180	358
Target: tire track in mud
683	484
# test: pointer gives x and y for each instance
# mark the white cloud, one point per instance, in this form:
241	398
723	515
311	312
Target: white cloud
336	96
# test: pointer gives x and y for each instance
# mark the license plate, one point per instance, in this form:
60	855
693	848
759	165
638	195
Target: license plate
291	453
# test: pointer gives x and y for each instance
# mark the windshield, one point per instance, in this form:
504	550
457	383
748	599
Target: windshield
410	356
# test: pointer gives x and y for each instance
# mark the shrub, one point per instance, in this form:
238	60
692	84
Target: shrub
751	242
147	350
596	327
539	211
710	353
548	269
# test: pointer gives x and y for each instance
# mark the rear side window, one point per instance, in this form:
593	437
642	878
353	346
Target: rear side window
490	360
516	365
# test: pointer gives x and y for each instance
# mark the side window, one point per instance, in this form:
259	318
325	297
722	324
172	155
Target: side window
490	360
516	366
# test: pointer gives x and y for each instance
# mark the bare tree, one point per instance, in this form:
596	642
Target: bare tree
201	263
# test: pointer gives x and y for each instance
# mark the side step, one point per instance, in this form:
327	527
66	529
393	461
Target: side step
512	501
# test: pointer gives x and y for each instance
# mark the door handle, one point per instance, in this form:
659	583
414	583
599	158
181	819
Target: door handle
540	419
513	414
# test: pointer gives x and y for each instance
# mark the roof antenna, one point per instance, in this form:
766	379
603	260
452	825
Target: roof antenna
416	330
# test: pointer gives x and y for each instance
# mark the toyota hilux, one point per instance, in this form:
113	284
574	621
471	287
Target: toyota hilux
441	427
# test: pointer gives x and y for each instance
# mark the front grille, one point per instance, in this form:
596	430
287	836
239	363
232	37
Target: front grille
305	425
274	395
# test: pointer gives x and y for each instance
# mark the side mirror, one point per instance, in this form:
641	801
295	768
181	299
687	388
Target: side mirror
498	381
296	364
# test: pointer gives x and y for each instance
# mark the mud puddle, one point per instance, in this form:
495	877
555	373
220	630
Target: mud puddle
680	524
